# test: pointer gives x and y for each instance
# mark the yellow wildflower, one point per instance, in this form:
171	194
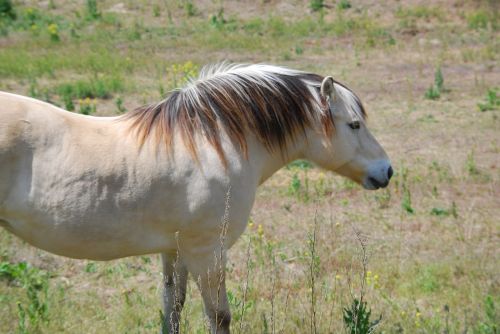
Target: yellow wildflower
260	230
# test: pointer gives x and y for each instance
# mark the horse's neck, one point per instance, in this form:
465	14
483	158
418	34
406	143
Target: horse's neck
267	163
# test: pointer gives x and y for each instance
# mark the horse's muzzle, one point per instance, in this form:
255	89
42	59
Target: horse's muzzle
378	175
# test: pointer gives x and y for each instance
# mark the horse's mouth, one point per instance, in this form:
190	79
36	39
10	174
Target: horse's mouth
371	183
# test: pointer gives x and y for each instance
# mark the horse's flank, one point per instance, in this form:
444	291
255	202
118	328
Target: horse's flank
272	103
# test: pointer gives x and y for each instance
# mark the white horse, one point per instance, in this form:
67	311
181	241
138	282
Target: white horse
157	180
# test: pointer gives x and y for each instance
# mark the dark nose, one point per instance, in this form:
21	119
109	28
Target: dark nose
389	173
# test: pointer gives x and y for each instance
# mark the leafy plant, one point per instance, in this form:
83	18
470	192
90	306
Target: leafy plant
434	91
119	105
53	31
35	283
190	8
316	5
300	164
492	101
68	102
344	4
182	73
295	185
218	20
357	318
481	19
7	10
87	107
470	164
98	87
440	212
93	12
237	303
490	325
406	200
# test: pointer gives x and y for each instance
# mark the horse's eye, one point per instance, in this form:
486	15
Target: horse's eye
354	125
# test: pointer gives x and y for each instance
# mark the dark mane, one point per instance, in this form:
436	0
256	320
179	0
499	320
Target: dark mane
273	103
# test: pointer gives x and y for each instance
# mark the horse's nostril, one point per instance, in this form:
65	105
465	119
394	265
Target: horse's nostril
389	173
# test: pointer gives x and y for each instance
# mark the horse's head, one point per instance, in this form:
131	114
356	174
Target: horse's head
351	151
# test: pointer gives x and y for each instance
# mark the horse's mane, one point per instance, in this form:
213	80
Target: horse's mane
273	103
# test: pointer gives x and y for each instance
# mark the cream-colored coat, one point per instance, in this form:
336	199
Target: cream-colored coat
80	186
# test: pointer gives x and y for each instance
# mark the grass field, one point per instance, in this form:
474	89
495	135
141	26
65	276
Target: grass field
424	252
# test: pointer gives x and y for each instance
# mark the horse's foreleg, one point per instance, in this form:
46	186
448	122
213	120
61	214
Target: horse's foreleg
174	291
209	273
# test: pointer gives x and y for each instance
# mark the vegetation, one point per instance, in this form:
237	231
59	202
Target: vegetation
430	239
434	92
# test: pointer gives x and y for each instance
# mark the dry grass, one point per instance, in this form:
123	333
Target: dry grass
430	271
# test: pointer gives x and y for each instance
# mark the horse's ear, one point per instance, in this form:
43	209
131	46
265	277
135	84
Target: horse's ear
327	87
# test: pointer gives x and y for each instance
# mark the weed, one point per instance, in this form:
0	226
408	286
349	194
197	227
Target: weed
93	12
90	267
156	10
428	279
434	91
406	199
420	12
190	8
357	318
440	212
300	164
482	19
344	4
98	87
490	324
314	268
238	303
470	164
68	102
295	185
35	283
7	10
316	5
53	31
492	101
218	20
119	105
33	88
87	106
182	73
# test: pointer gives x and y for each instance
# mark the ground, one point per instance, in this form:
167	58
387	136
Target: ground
423	253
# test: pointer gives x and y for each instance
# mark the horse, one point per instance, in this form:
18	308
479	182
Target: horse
163	178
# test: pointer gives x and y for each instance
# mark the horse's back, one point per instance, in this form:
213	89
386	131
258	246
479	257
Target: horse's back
13	125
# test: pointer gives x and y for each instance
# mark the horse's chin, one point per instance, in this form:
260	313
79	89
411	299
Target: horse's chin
369	186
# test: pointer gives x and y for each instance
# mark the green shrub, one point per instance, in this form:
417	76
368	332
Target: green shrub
357	318
102	88
492	101
482	19
316	5
33	312
93	12
434	91
344	4
7	10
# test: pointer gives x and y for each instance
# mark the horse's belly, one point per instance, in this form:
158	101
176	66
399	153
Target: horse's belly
90	241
